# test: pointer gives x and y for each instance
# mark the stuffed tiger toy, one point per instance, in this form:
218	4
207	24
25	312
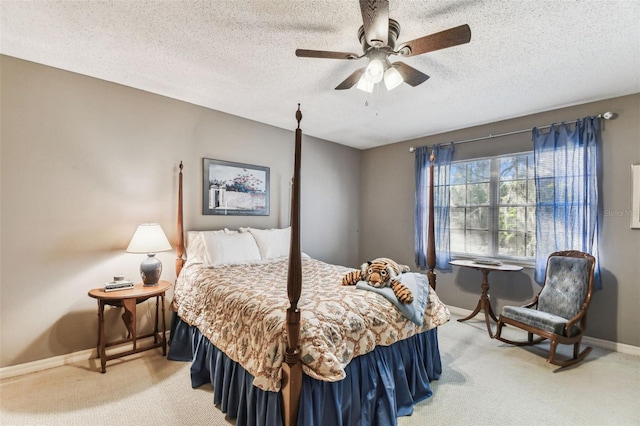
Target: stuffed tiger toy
381	272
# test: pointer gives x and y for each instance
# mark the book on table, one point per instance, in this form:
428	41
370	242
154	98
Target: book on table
118	285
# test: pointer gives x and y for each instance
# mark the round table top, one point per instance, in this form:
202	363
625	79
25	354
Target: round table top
468	263
138	290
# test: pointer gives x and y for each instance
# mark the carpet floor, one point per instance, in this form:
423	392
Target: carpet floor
484	382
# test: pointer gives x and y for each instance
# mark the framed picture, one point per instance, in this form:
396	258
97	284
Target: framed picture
635	196
234	188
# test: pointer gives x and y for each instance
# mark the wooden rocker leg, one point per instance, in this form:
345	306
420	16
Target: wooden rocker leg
552	351
498	330
577	355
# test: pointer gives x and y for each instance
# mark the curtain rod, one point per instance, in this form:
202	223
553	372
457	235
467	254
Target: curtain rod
605	115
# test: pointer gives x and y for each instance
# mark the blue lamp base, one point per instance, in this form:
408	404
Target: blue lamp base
150	270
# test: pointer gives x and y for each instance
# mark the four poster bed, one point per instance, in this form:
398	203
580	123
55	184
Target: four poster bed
283	342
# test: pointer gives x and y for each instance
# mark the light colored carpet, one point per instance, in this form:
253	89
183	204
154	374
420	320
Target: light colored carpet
484	382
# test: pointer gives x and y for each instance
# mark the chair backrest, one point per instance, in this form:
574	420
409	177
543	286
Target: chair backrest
568	283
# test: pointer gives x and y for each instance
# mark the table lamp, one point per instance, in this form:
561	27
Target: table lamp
149	238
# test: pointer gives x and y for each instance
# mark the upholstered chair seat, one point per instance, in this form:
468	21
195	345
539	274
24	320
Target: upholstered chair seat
542	320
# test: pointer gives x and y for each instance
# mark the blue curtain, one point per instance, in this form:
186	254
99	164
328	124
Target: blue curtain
566	160
442	166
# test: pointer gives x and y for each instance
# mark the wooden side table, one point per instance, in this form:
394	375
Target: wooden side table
128	299
484	303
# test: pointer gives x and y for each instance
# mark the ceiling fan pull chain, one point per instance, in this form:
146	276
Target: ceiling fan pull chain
377	98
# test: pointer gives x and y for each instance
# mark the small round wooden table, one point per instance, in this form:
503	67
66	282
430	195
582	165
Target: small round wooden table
484	303
128	299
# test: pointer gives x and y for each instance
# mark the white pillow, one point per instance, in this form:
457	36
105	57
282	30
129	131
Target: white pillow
195	247
272	242
195	244
225	249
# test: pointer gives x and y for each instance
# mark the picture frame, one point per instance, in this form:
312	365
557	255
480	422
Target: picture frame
234	189
635	196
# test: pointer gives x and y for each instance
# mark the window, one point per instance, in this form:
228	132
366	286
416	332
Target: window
493	207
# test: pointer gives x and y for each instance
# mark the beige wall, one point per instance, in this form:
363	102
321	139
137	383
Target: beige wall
84	161
388	172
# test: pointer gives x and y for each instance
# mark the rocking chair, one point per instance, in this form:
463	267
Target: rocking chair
559	311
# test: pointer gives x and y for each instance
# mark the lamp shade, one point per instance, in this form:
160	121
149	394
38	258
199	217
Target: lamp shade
149	238
374	71
392	78
365	85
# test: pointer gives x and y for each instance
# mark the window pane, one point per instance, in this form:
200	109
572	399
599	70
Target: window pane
507	244
531	219
457	195
531	169
531	191
479	171
521	218
512	244
478	193
478	242
513	192
458	173
513	218
507	168
530	244
478	218
456	218
512	168
457	240
508	220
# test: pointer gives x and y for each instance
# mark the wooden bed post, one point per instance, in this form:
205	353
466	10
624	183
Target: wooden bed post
431	245
180	246
292	369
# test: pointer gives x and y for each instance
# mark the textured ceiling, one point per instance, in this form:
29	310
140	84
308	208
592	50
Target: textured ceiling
238	57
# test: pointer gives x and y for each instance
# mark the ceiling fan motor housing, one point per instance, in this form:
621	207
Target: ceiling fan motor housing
394	32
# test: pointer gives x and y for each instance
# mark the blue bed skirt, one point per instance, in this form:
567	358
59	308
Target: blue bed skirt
379	387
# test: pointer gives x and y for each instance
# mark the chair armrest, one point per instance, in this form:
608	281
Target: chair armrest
578	318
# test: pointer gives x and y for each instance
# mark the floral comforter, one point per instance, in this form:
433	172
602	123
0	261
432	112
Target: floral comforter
241	310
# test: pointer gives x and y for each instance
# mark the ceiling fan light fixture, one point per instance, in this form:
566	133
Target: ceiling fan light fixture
364	84
375	71
392	78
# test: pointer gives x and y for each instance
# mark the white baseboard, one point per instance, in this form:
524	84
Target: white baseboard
600	343
612	346
44	364
59	361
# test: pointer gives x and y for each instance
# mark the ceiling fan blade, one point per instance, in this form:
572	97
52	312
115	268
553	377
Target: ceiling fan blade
442	40
375	20
304	53
351	80
410	75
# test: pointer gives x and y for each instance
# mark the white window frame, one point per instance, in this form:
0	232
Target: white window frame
493	206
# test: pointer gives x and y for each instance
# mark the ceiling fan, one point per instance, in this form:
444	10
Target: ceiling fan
378	36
